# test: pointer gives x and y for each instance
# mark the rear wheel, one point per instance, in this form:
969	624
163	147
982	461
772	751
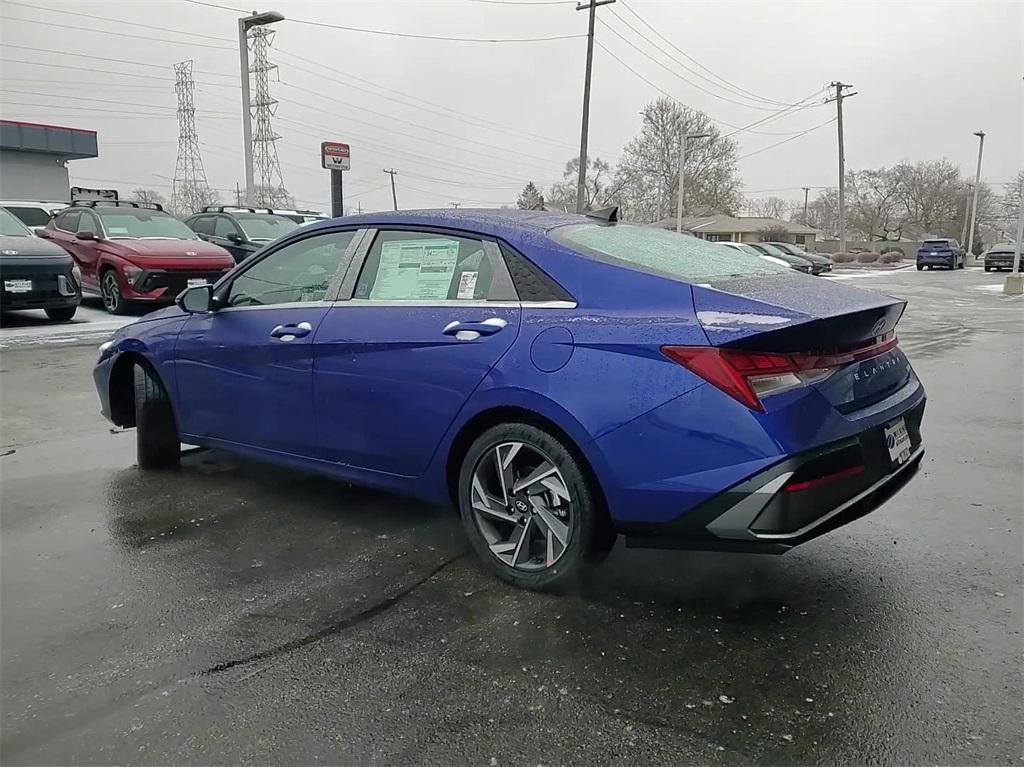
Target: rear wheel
61	313
110	292
156	433
988	268
963	263
920	267
529	509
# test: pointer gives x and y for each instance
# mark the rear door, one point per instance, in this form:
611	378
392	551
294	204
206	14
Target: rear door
84	252
429	315
244	372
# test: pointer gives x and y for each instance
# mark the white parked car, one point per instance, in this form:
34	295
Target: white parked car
742	247
35	214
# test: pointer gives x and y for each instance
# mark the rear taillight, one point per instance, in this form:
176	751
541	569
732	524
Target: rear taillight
749	375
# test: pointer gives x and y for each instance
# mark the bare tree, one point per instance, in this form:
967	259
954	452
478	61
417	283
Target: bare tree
773	234
149	195
769	207
647	178
876	209
598	191
930	194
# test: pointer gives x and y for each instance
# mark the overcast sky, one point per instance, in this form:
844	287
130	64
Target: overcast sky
927	75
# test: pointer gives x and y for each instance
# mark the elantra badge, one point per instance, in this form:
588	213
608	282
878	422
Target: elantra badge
191	253
9	252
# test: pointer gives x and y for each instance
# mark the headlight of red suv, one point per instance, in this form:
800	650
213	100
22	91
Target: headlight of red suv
131	273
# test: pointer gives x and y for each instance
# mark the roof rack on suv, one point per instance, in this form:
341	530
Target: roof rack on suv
116	204
234	208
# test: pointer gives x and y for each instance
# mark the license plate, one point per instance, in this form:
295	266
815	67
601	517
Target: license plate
897	439
196	282
18	286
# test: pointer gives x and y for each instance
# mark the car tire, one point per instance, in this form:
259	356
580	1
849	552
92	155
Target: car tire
963	263
920	267
110	291
588	533
158	445
61	313
988	268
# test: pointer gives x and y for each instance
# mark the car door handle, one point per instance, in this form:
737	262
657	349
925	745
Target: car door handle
291	332
470	331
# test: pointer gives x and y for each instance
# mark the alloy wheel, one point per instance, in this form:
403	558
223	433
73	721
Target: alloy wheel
111	292
522	506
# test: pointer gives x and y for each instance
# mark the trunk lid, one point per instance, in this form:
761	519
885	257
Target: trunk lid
788	314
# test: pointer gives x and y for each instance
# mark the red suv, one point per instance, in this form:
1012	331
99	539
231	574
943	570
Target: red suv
134	251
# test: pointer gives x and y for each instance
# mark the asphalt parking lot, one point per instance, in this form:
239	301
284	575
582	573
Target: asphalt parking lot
232	613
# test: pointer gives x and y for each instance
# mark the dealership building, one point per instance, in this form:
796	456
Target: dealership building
33	159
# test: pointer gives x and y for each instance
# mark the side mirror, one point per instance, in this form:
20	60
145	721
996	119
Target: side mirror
85	235
40	232
235	238
197	300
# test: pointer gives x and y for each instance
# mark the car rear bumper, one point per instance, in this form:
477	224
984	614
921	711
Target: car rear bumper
936	260
1001	262
794	499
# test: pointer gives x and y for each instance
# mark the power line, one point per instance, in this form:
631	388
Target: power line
49	23
98	101
522	2
412	35
77	110
97	58
663	92
735	87
672	72
786	140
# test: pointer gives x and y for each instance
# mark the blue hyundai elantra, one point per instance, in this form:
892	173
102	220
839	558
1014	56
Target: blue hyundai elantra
560	379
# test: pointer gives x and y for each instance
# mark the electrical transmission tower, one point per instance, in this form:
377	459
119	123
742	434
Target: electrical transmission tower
190	191
270	191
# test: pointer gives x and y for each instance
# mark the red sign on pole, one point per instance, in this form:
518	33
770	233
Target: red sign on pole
335	156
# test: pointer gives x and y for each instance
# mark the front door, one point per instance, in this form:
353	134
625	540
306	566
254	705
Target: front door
244	372
431	314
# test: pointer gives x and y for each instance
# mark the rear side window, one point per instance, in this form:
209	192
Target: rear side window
424	266
30	216
660	251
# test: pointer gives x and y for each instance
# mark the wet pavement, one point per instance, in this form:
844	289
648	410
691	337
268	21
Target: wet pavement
233	613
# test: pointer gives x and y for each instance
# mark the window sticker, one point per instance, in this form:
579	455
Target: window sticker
415	269
467	285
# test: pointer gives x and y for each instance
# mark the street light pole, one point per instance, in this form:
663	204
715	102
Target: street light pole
974	203
1014	285
244	24
683	135
807	191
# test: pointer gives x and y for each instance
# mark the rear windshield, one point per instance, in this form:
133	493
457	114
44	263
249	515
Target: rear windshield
139	223
30	216
259	226
935	244
661	251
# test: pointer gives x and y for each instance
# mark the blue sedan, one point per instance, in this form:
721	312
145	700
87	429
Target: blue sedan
560	379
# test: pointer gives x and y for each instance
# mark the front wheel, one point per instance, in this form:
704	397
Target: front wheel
110	292
920	267
962	264
529	509
156	432
988	268
61	313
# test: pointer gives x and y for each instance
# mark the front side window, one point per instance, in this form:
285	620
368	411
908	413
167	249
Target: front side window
264	227
660	251
68	221
87	223
141	224
202	225
222	227
423	266
300	272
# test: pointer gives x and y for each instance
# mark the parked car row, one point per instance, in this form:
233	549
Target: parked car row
127	251
784	253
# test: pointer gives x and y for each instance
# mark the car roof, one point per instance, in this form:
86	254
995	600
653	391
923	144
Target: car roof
497	222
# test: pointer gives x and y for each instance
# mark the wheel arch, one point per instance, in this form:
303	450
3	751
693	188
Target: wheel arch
493	416
121	387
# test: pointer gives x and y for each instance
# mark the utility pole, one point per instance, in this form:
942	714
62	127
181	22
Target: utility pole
967	216
581	182
455	204
839	86
807	191
683	135
394	196
974	200
244	23
238	195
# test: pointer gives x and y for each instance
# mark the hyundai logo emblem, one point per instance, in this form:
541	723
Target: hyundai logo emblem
522	505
